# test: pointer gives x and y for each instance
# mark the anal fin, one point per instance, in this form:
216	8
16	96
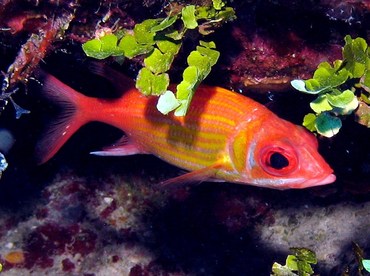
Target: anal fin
122	147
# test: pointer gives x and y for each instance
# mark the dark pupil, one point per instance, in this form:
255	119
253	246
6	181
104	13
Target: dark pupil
278	161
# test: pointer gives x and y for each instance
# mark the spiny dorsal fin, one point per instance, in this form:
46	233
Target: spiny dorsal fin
120	81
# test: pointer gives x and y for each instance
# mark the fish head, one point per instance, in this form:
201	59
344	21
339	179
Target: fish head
280	155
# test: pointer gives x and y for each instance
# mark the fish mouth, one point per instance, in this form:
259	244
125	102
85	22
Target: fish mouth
327	179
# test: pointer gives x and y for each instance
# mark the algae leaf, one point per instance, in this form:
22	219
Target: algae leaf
188	17
131	48
344	103
167	102
298	264
166	23
327	125
287	269
226	14
185	89
103	47
218	4
144	33
200	63
151	84
321	104
158	62
341	99
355	55
309	122
353	74
305	258
366	264
208	49
167	46
324	78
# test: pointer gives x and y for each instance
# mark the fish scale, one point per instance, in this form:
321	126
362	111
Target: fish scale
199	138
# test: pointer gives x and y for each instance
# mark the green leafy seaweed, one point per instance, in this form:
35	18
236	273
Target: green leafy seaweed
164	24
298	264
103	47
131	48
366	264
188	17
152	84
325	78
355	54
144	33
321	104
330	83
158	62
200	63
167	46
167	102
309	121
159	41
218	4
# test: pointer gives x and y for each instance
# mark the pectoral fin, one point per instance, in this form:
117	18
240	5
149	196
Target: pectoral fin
204	174
122	147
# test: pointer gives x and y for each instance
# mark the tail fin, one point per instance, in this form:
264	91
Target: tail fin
68	122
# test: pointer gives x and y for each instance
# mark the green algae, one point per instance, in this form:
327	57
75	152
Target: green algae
341	87
159	41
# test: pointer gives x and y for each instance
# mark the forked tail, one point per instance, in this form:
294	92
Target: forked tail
72	116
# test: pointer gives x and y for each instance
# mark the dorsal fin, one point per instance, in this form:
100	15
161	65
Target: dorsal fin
120	81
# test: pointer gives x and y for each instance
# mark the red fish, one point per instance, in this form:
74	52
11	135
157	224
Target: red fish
224	136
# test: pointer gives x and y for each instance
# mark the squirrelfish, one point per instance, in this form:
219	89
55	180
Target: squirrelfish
224	136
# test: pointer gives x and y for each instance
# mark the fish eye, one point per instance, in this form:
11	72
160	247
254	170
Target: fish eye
278	160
